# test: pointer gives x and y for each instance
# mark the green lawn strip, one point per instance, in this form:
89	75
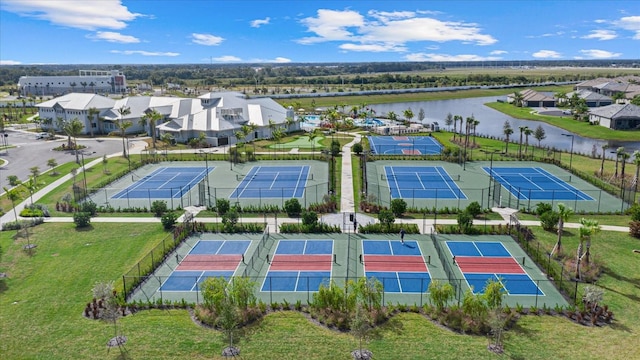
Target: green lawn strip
357	182
604	219
566	122
302	142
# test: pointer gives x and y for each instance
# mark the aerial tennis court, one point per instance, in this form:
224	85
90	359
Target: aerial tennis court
273	182
421	182
405	145
399	267
165	182
299	265
534	183
208	258
481	261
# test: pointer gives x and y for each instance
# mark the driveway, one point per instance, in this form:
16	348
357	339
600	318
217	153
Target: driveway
29	152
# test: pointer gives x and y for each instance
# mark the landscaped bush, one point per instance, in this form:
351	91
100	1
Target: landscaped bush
82	219
168	220
89	207
222	206
398	207
474	209
17	225
465	222
549	220
319	228
158	207
378	228
35	210
292	207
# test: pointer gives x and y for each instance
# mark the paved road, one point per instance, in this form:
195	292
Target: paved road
29	152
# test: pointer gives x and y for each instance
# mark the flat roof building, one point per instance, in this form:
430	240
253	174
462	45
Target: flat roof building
88	81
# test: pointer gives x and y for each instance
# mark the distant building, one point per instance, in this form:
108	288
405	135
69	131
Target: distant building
628	86
88	81
218	115
616	116
532	98
591	98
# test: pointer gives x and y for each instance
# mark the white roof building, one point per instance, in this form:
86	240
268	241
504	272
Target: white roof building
217	115
88	81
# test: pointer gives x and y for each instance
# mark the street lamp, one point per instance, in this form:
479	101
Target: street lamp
571	154
491	153
206	160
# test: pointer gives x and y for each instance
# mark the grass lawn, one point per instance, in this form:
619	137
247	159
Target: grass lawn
578	127
41	305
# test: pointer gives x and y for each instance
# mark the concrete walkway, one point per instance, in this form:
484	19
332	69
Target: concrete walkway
347	199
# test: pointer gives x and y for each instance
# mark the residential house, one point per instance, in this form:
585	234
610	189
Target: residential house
617	116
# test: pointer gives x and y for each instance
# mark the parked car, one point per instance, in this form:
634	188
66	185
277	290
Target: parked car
43	135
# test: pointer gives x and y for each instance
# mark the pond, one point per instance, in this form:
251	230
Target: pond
492	121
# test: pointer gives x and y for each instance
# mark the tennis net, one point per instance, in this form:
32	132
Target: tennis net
273	176
413	176
536	178
446	261
255	258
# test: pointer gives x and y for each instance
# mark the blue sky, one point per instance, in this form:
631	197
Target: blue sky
245	31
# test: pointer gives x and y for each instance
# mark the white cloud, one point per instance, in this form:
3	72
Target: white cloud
114	37
447	57
631	23
144	53
372	47
546	54
10	62
88	14
498	52
279	60
599	54
206	39
259	22
600	21
601	35
227	58
379	31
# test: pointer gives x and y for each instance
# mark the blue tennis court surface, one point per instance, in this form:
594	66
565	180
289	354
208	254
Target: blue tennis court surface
399	267
533	183
165	182
405	145
273	182
300	265
208	258
421	182
481	261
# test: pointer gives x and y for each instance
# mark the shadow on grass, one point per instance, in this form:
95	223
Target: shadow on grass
613	274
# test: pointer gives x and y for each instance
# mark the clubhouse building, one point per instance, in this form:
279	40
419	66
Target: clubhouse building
217	115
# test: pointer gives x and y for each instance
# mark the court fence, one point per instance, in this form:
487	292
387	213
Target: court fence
202	195
266	289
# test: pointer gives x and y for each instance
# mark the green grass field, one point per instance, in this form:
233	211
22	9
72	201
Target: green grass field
41	305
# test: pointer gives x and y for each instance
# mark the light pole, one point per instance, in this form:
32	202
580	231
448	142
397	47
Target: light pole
490	153
206	161
571	154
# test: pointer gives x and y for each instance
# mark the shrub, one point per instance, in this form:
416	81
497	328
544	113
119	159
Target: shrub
89	207
542	208
292	207
398	207
82	219
549	220
222	205
357	148
465	222
309	218
635	212
634	229
168	220
158	207
474	209
386	217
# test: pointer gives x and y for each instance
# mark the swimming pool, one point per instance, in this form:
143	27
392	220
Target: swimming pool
369	122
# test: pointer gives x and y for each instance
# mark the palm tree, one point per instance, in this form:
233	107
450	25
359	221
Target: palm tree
272	127
312	137
517	99
408	114
564	213
60	125
13	195
151	118
604	151
92	113
520	148
636	161
392	116
288	122
619	151
475	125
507	131
587	229
455	123
84	86
623	159
166	139
32	186
73	128
527	133
123	126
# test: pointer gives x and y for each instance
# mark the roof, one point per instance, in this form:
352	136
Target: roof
588	95
79	101
615	111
